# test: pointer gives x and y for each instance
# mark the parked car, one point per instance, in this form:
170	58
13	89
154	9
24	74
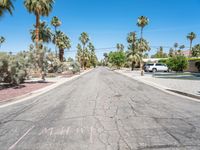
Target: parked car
156	67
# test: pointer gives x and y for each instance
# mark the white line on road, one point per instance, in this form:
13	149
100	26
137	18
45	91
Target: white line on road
13	146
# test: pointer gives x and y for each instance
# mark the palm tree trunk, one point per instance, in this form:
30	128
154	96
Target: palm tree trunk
61	53
132	65
37	30
142	32
55	44
84	57
190	54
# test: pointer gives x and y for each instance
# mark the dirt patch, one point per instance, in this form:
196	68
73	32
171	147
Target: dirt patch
7	93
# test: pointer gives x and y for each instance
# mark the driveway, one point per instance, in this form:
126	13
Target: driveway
101	110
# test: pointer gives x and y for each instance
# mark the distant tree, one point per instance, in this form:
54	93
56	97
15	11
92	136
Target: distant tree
160	53
39	8
171	52
55	22
142	22
191	36
105	59
6	6
196	51
2	40
120	47
175	46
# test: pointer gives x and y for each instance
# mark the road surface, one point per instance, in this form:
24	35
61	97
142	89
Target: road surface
101	110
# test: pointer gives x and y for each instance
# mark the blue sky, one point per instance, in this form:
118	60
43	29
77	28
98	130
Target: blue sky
108	22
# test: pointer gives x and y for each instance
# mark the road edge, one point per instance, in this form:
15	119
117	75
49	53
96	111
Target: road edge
157	86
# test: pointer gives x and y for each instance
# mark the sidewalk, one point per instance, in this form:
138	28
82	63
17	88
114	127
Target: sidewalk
185	87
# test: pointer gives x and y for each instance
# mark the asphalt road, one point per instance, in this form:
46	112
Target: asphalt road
101	110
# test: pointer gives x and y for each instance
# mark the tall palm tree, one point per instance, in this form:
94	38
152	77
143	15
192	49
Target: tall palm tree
6	6
84	39
142	22
56	23
2	40
191	36
63	42
38	8
45	34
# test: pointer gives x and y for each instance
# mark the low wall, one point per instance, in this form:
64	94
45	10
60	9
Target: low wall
191	66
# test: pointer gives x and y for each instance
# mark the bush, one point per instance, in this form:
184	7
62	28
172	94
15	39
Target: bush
12	70
75	67
177	63
197	64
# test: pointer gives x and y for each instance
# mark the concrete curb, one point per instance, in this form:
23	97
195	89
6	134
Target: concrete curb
39	92
163	88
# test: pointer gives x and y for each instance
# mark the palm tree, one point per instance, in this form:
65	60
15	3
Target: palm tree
45	34
93	57
133	54
38	8
142	22
63	42
56	23
6	6
191	36
84	39
175	46
2	40
120	47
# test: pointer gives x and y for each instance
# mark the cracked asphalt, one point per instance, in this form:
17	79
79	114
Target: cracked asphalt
101	110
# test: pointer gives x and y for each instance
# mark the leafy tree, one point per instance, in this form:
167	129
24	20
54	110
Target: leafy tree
142	22
45	34
2	40
117	58
39	8
191	36
63	42
177	63
6	6
196	51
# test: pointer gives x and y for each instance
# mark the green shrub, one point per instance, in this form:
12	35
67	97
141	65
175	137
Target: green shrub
75	66
197	64
177	63
117	58
12	70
